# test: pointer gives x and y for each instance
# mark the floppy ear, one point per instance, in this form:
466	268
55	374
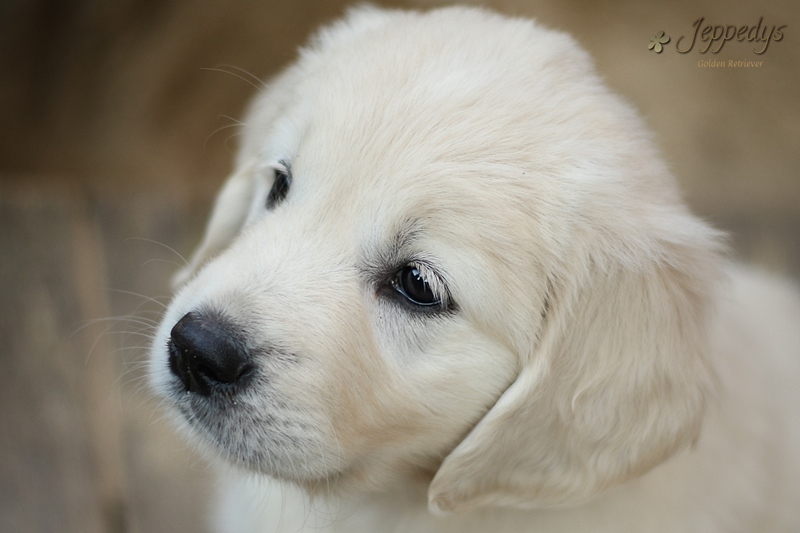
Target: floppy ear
227	218
615	385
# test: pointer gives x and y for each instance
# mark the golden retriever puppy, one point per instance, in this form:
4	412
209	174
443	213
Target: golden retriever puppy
451	287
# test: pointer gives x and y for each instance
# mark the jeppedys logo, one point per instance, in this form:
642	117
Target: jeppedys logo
712	37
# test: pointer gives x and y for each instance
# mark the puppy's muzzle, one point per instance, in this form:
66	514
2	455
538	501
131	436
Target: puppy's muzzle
208	355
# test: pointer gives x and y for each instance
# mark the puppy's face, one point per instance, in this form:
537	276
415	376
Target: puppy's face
444	239
349	303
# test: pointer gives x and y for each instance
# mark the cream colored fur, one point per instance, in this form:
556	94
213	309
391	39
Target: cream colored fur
602	369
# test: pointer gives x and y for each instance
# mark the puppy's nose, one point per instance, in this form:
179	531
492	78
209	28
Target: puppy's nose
206	354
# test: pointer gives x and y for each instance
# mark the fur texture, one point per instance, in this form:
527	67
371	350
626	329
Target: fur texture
594	363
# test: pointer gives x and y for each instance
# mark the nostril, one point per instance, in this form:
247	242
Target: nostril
206	353
223	374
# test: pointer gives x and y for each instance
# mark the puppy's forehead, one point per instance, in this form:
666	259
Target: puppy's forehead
407	94
424	118
424	87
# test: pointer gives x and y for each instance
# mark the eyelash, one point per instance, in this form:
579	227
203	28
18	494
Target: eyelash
280	186
433	283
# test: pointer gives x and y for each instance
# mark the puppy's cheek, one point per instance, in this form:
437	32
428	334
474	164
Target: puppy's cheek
445	389
466	378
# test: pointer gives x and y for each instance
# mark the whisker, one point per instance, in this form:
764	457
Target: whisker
246	72
222	128
143	296
155	260
134	376
142	321
227	140
93	346
259	85
171	249
148	336
235	121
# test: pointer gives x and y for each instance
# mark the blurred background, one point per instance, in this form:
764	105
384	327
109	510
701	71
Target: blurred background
117	127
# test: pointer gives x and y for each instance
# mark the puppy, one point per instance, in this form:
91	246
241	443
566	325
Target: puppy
451	287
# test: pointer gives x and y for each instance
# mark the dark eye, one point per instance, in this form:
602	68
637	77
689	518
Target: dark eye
410	283
280	187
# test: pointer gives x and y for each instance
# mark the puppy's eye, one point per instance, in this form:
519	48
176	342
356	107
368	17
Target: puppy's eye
280	187
413	286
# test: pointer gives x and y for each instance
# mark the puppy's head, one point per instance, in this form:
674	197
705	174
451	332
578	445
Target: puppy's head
448	255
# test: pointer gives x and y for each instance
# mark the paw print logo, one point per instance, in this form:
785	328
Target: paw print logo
657	42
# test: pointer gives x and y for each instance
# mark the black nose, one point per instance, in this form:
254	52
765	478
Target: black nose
207	354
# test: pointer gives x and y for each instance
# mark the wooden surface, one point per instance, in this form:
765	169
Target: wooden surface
84	447
113	139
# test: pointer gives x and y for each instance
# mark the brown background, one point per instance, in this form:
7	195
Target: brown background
115	133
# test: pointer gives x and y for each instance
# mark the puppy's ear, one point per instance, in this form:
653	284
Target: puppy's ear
227	218
615	385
